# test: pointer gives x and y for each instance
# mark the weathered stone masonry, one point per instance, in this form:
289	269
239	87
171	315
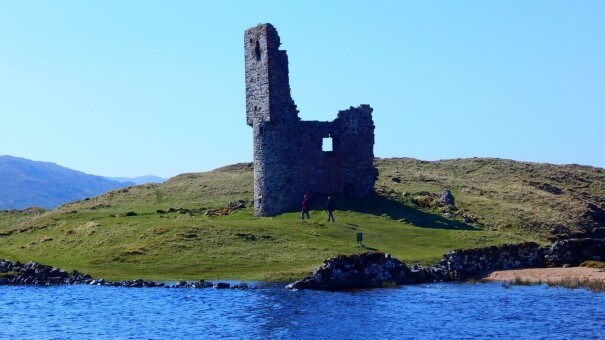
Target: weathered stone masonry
376	269
288	158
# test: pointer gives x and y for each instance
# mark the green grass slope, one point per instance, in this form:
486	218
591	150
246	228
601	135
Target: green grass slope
506	195
161	231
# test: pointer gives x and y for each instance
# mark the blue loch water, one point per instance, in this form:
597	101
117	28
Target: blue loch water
449	311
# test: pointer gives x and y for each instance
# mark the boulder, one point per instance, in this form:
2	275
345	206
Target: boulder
222	285
202	284
446	198
241	285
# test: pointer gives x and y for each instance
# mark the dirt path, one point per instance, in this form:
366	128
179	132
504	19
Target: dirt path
548	274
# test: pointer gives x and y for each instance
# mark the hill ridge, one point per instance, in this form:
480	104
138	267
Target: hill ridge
26	183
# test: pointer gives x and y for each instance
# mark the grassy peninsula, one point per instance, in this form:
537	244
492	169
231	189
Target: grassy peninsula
164	231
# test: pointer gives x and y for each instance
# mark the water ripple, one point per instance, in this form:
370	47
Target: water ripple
438	311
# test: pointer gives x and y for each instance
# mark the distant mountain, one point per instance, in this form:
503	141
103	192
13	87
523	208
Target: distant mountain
25	183
138	180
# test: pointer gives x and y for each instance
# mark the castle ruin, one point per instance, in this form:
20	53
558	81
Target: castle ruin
289	160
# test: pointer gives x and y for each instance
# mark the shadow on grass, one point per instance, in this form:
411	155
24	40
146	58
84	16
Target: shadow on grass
381	206
367	248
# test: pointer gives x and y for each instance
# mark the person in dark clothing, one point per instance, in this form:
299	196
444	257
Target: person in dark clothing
305	208
330	207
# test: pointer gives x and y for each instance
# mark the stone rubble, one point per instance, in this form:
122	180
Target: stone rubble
231	207
33	273
377	269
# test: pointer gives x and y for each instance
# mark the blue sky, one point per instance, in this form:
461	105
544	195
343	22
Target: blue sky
128	88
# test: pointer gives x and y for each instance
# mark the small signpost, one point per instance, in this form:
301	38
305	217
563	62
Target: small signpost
359	238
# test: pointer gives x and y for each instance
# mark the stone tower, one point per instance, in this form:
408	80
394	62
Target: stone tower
289	161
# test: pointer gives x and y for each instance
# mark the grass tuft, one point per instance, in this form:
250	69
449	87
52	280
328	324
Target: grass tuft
593	264
593	285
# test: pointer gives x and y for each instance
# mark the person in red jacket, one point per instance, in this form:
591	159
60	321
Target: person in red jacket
305	208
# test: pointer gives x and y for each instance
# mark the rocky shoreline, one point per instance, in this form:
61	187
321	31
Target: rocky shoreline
359	271
377	269
33	273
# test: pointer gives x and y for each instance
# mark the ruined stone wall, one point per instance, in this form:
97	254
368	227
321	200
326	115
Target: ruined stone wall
347	169
315	173
376	269
464	264
272	114
288	158
354	145
267	82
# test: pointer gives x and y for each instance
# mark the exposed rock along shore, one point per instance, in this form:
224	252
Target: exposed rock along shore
377	269
359	271
33	273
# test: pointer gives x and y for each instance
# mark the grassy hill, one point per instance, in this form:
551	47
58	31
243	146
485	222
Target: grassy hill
162	231
507	195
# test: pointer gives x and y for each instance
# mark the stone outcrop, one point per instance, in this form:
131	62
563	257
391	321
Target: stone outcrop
33	273
594	215
572	252
289	160
447	199
231	207
376	269
365	270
